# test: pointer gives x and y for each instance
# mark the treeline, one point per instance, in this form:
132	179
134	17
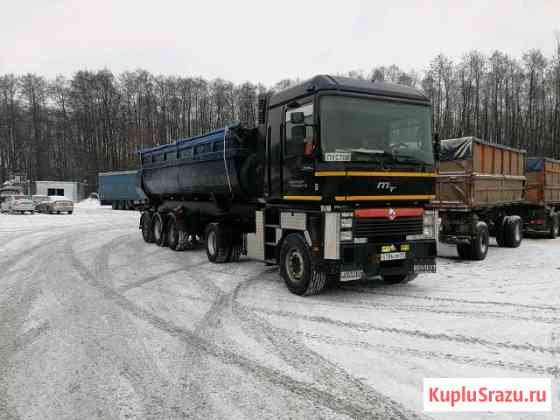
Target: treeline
95	121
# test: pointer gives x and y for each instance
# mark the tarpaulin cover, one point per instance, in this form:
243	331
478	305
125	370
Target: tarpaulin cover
535	164
456	149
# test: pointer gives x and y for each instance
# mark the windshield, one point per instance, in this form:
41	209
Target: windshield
360	129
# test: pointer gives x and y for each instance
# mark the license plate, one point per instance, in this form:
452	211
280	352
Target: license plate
424	268
390	256
351	275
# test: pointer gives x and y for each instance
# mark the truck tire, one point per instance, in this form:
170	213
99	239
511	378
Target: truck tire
158	227
554	227
499	226
513	231
236	247
298	269
177	238
464	251
218	247
146	227
479	244
400	278
114	205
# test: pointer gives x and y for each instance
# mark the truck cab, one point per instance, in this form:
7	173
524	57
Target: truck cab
351	164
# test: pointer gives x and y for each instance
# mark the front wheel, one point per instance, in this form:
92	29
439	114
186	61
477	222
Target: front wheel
297	267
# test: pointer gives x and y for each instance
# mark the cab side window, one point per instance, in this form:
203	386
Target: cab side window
291	146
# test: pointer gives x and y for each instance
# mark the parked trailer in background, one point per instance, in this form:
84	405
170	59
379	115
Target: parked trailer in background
119	189
332	186
480	191
542	211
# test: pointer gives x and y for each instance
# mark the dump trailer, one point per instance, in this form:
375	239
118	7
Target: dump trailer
480	192
120	190
541	213
332	185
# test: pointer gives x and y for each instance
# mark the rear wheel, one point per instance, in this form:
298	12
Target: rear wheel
479	244
500	235
218	247
158	225
554	227
297	267
513	231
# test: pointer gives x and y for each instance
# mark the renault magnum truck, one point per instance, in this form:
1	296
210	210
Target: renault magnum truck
332	186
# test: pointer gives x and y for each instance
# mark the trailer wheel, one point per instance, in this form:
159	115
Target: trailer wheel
297	267
479	244
236	247
400	278
499	226
146	226
172	234
554	227
178	239
513	231
218	247
158	226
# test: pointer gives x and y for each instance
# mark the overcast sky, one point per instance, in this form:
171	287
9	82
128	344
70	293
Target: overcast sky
262	41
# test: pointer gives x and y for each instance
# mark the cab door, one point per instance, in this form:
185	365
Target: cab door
297	155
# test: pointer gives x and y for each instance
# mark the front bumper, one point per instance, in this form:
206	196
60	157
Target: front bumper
364	260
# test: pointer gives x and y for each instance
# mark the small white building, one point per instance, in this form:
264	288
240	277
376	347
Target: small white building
72	190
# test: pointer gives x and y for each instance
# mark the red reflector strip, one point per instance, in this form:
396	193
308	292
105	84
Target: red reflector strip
388	213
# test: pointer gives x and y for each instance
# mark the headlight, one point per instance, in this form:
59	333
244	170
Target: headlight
346	235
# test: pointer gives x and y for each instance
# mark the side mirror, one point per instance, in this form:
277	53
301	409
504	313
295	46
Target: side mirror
437	147
298	132
297	118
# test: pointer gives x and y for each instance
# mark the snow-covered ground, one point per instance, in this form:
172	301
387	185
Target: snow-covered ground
95	323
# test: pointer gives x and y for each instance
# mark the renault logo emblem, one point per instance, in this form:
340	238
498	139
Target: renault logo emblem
392	214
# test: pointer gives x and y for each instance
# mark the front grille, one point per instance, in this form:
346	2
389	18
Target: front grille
374	228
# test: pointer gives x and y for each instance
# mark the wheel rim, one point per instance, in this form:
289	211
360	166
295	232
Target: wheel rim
211	242
294	265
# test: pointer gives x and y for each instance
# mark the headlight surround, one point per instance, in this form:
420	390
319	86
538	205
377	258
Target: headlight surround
428	226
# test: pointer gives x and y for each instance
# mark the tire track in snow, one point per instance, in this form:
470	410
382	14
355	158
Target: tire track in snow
273	376
452	300
326	374
365	327
433	355
341	302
